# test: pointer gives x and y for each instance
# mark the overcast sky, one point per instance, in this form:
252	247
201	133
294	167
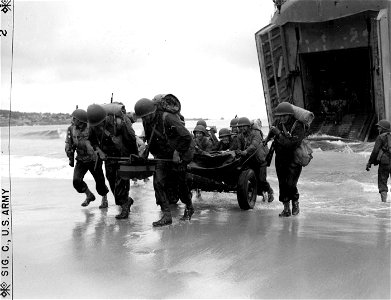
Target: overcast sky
69	53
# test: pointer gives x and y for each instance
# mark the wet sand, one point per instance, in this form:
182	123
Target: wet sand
62	250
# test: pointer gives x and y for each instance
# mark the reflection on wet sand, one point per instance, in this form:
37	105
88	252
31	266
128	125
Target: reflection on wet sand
222	252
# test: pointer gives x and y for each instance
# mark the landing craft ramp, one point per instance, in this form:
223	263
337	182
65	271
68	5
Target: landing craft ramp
351	127
332	58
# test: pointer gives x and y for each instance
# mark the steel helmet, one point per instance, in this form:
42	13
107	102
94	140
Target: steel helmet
243	121
224	132
201	122
384	124
96	114
284	108
144	107
234	122
80	114
200	128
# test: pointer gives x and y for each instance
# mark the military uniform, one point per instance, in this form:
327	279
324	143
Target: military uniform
249	143
115	141
234	143
220	146
169	136
78	140
203	145
381	155
288	172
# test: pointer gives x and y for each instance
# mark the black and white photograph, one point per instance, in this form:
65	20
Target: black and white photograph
182	149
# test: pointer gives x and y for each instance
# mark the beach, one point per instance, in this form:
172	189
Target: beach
62	250
337	247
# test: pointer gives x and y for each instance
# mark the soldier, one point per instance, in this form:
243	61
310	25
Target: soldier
110	139
77	140
381	156
225	140
211	133
202	142
234	130
171	143
288	134
250	141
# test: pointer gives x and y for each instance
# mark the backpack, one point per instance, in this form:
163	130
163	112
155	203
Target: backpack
384	149
303	153
303	115
117	117
168	103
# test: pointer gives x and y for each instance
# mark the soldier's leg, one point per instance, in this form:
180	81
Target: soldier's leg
293	193
160	183
79	183
184	191
119	188
383	173
121	195
111	173
256	167
79	172
282	175
121	192
282	172
99	177
100	183
265	185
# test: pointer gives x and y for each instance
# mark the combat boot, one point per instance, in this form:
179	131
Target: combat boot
189	211
383	196
105	203
90	197
270	197
125	209
287	210
295	208
165	220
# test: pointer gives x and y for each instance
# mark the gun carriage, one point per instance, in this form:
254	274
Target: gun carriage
213	172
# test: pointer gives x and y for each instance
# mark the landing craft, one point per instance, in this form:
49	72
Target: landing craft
331	57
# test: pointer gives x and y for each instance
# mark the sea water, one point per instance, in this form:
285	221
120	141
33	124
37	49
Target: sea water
337	247
335	181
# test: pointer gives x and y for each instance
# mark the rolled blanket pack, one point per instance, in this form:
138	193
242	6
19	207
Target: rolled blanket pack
303	115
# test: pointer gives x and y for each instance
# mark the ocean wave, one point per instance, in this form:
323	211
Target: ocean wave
45	134
342	146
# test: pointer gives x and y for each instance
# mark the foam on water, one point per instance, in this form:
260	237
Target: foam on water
41	167
334	182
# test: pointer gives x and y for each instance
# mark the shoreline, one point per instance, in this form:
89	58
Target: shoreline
222	252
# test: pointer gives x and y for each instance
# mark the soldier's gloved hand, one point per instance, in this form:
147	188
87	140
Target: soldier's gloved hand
243	153
176	158
368	166
71	163
101	154
275	130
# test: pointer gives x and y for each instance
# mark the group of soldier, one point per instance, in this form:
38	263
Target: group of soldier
98	137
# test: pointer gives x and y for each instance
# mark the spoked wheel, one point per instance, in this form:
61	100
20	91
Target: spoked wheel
247	189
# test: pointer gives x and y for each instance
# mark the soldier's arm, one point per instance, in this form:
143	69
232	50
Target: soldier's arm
209	145
69	147
375	151
255	142
234	144
174	127
130	136
293	141
93	141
